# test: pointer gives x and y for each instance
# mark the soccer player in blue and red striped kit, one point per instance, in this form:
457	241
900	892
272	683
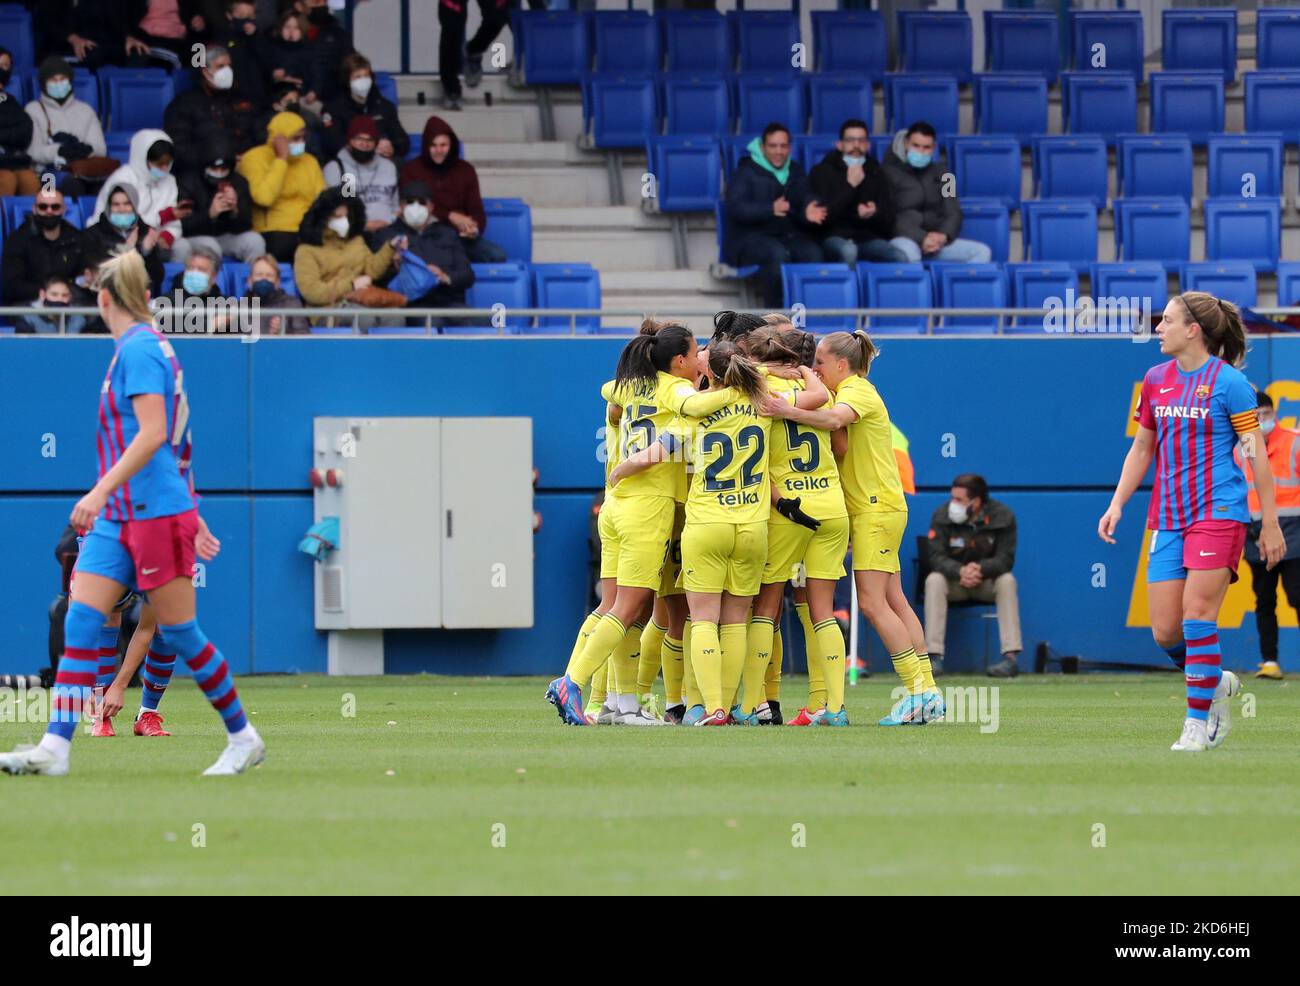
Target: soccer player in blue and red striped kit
1191	413
143	525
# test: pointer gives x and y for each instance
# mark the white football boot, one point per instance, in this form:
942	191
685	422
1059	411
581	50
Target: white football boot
1220	721
1193	739
33	760
638	718
238	757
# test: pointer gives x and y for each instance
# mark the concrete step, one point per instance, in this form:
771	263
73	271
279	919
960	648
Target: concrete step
653	293
477	121
615	238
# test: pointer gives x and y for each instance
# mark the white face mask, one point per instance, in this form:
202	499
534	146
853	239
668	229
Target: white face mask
340	226
361	87
957	512
415	214
1266	425
223	78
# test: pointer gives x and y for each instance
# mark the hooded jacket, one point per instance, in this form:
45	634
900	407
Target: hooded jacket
376	183
157	196
324	265
454	183
103	237
72	116
920	206
197	111
829	181
29	258
437	244
752	189
339	113
15	133
988	538
282	191
198	188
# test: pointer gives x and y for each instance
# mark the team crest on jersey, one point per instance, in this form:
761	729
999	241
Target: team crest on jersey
1202	391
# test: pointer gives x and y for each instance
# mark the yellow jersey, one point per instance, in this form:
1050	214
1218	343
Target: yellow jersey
730	450
801	463
869	472
649	408
613	439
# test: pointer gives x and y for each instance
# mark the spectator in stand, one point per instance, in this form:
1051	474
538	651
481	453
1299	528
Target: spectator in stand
329	43
199	279
452	17
333	259
121	228
16	174
84	294
91	31
453	183
437	244
926	220
286	57
149	169
283	180
264	285
859	201
56	294
214	102
199	282
373	179
363	99
44	245
771	213
222	220
285	98
64	129
160	25
236	31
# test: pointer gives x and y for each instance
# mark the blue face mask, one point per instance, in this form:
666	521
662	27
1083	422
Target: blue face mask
195	281
918	160
262	288
122	220
854	162
157	174
297	148
58	90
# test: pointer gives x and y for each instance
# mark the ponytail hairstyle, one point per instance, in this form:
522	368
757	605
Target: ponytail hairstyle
734	369
125	279
773	345
651	351
803	343
734	325
1220	323
855	347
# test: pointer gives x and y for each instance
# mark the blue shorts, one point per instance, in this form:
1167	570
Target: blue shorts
1206	544
103	552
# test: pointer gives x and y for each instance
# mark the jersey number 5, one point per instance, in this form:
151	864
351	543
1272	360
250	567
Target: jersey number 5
796	438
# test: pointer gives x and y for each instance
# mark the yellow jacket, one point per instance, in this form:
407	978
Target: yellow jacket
324	273
282	191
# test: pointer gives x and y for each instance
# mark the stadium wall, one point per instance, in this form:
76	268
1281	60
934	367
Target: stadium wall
1046	420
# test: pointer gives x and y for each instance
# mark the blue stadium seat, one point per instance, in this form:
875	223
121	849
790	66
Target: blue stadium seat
987	167
387	86
880	146
1033	285
508	285
1072	167
17	88
822	286
1277	39
1231	280
1232	157
970	286
851	41
1153	228
763	98
623	109
617	330
1143	284
835	98
18	37
1288	283
1244	229
556	47
233	279
1155	165
987	221
1011	104
626	41
1103	103
171	272
1112	37
1201	39
936	42
695	41
137	102
1273	103
1191	102
288	284
333	330
566	286
400	330
720	228
688	173
1060	229
895	286
416	140
14	210
1023	41
696	104
810	149
734	150
85	87
764	39
932	98
510	226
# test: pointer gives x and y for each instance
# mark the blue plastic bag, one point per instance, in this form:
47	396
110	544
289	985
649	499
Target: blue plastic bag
414	280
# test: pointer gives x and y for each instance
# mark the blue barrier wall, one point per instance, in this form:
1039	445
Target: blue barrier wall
1045	420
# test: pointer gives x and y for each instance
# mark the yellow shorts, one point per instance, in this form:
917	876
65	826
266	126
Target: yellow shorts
876	539
670	584
643	526
724	557
608	538
791	546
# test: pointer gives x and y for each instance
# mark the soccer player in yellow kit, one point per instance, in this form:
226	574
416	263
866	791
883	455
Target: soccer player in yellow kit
873	494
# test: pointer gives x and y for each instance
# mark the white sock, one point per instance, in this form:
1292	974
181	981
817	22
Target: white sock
628	703
246	735
56	745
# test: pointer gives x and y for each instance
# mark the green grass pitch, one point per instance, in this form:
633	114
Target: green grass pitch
411	793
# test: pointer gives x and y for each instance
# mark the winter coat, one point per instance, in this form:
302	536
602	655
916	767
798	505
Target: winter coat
454	183
751	190
376	183
200	190
157	196
988	538
440	245
339	113
103	237
29	258
282	191
829	181
196	112
920	206
324	273
15	134
72	116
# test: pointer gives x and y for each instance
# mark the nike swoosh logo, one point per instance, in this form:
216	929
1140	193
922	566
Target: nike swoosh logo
147	571
1206	554
1165	390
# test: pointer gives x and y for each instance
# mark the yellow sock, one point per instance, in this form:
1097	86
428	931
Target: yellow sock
584	632
706	659
690	684
626	657
909	670
733	638
774	667
607	675
830	647
652	640
598	685
758	654
816	680
674	669
596	651
927	672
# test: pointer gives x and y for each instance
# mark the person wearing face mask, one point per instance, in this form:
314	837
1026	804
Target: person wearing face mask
859	201
222	220
373	179
264	286
328	43
64	129
149	169
1283	447
283	181
437	244
120	227
364	99
56	294
44	245
926	221
333	260
216	101
972	549
236	31
16	174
